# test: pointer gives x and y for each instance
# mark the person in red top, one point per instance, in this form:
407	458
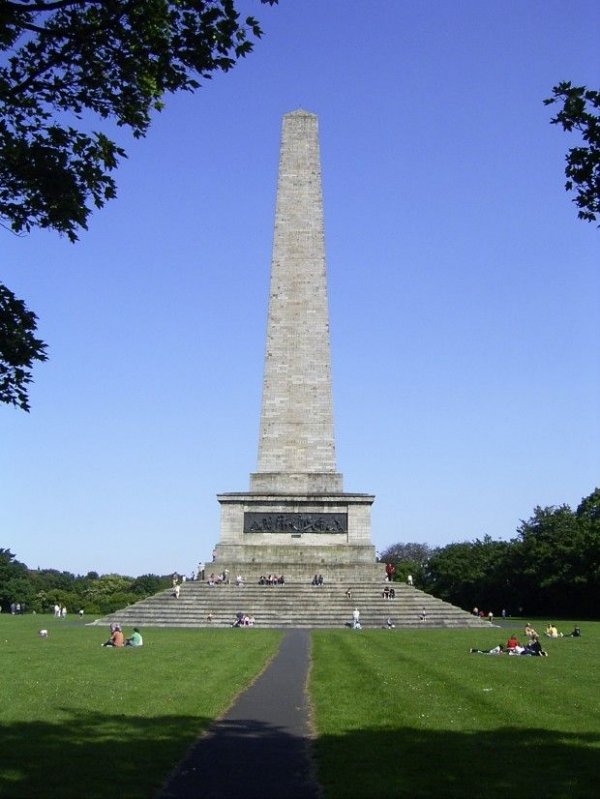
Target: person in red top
512	642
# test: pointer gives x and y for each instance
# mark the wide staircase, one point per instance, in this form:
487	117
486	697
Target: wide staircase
293	605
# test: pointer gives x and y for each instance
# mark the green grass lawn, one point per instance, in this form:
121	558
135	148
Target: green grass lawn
398	713
412	714
77	720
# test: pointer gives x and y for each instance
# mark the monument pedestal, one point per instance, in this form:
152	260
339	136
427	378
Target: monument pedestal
297	535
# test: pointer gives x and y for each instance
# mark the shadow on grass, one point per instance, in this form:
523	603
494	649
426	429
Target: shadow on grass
102	756
414	763
93	755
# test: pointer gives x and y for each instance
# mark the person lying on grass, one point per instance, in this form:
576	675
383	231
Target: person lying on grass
496	650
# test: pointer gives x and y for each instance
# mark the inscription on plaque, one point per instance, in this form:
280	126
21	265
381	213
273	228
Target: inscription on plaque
295	522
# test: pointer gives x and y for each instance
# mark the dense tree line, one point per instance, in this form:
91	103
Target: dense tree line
40	589
551	567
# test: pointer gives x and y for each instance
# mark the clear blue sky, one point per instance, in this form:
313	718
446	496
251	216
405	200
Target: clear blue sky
464	292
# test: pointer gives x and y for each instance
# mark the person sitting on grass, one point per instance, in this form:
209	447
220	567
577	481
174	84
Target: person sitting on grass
116	636
552	632
530	632
513	642
135	639
534	648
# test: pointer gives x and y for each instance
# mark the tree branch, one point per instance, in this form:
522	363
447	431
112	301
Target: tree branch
41	6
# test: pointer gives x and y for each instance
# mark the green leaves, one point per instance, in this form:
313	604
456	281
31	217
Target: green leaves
19	348
109	59
582	163
116	59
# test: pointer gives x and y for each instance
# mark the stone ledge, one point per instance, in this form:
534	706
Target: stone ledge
253	497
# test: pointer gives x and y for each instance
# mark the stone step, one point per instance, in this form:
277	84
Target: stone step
292	604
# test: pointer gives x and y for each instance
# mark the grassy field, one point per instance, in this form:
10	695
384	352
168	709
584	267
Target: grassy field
398	713
413	714
77	720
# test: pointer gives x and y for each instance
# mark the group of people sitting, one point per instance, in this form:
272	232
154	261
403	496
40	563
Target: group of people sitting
552	632
217	579
117	639
533	645
317	579
243	620
513	648
272	579
388	593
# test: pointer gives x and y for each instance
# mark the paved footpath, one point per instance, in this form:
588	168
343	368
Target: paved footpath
261	747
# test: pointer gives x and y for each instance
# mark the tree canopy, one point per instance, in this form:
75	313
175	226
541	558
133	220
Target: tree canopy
579	113
552	566
19	347
66	65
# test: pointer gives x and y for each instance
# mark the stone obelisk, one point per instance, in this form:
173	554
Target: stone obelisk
296	518
296	446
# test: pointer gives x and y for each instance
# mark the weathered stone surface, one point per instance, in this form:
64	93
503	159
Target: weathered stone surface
297	473
296	441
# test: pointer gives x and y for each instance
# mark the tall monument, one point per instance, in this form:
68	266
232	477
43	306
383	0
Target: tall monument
296	519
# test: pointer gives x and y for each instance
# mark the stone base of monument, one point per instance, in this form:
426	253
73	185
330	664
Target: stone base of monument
297	535
342	564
